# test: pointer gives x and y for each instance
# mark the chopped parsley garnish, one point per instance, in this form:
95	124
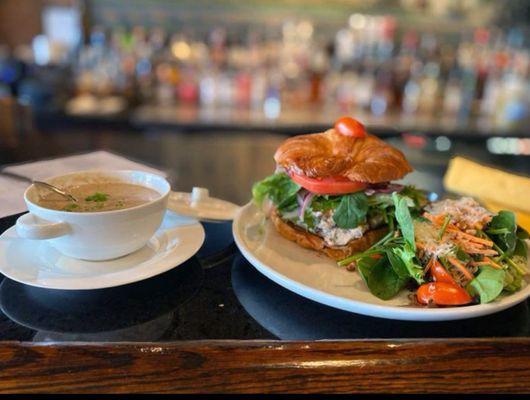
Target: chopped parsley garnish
71	207
97	206
98	197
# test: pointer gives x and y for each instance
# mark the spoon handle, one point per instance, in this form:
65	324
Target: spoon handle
56	190
15	176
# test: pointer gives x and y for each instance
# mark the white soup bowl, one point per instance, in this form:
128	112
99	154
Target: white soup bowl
100	235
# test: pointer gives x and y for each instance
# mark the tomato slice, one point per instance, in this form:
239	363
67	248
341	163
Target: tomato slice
348	126
439	273
328	185
442	294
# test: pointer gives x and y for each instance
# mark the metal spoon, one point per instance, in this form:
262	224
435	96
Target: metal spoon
56	190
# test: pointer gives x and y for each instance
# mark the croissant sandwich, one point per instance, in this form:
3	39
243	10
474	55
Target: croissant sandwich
332	191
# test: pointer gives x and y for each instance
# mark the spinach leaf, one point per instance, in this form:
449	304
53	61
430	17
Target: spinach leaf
398	265
351	211
502	229
521	233
381	200
407	255
404	220
513	279
279	188
418	196
380	277
288	204
325	203
521	249
487	284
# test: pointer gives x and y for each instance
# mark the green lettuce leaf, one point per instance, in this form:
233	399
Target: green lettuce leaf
351	211
279	188
418	196
521	249
488	284
325	203
407	256
398	265
380	277
502	229
404	219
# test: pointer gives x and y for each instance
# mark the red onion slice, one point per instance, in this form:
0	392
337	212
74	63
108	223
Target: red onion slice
390	188
300	199
307	200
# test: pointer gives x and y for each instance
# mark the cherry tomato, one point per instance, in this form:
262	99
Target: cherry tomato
439	273
328	185
348	126
442	294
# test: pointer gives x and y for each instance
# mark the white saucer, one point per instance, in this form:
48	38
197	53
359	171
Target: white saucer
199	205
319	278
36	263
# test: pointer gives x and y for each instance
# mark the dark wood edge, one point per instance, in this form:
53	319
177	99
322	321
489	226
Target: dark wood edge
391	366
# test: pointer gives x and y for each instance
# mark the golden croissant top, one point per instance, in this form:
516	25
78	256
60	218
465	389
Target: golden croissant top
346	150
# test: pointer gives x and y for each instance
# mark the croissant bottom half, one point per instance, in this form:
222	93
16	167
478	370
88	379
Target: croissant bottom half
311	241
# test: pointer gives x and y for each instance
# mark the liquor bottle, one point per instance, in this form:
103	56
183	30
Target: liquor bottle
208	88
272	104
258	88
365	86
382	96
452	99
429	89
243	83
412	92
467	63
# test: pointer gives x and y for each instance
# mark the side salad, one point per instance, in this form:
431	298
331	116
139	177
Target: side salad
448	253
452	253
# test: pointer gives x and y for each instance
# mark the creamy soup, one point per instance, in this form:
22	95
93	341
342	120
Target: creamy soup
95	197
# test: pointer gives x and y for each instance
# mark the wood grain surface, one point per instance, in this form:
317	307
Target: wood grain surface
396	366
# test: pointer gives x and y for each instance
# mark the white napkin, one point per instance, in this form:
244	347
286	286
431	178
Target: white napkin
11	196
12	190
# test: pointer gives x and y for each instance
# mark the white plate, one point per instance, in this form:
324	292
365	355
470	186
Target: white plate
36	263
318	278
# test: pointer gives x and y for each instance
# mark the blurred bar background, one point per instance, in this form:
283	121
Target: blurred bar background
417	68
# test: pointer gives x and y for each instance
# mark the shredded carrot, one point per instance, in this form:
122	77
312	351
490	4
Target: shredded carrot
466	241
434	218
439	220
471	238
461	267
429	264
481	252
492	263
484	252
473	247
478	263
467	246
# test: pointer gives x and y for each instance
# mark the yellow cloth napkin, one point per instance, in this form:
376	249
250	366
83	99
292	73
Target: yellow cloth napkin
496	189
